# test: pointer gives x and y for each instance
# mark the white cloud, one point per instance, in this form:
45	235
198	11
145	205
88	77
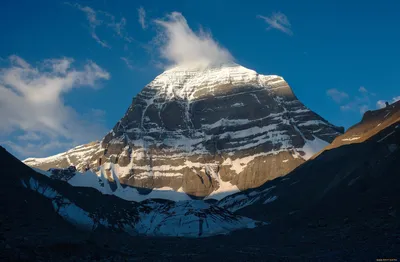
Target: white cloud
395	99
98	18
142	17
336	95
382	103
278	21
31	102
181	46
59	66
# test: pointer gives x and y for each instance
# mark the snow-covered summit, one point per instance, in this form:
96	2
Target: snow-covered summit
191	82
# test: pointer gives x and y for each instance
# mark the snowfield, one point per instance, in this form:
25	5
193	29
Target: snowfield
151	218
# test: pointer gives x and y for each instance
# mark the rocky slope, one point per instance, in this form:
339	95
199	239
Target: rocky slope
354	182
206	132
372	123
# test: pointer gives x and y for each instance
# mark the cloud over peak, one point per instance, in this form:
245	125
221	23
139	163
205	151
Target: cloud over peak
180	45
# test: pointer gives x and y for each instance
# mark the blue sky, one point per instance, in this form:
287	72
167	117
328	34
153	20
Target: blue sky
74	66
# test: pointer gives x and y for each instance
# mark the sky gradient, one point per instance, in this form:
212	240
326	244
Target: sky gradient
69	70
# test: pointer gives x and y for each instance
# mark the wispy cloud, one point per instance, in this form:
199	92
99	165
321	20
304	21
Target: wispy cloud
179	45
94	22
119	29
33	108
359	103
98	18
336	95
142	17
278	21
362	89
29	136
382	103
128	63
18	61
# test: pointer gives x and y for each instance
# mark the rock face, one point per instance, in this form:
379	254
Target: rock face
362	176
206	132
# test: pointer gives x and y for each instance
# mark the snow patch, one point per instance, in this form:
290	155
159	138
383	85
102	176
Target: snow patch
311	147
90	179
270	199
313	123
191	219
225	189
351	138
239	164
237	105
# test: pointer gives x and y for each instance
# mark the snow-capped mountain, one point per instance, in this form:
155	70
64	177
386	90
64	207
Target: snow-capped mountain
207	132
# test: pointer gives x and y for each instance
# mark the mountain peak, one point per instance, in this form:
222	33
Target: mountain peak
221	69
208	132
191	83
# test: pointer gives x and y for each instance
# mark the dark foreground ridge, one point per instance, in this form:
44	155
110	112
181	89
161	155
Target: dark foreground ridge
341	206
